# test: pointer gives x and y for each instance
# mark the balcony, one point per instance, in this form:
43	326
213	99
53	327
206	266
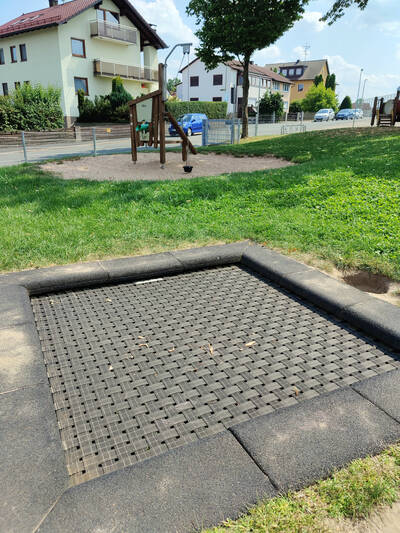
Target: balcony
107	69
113	32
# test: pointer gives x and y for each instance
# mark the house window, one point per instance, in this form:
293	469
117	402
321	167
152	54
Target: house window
81	84
284	71
300	87
78	47
194	99
240	79
5	89
2	59
232	95
285	87
22	52
299	71
108	16
17	84
194	81
285	106
217	79
291	72
13	52
217	99
276	85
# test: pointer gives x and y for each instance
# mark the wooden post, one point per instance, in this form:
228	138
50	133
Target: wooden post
161	114
394	112
184	151
374	110
380	112
181	133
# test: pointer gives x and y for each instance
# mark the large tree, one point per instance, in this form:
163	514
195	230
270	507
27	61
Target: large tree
235	29
339	6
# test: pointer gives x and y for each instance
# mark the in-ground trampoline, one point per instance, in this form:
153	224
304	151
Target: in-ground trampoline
148	357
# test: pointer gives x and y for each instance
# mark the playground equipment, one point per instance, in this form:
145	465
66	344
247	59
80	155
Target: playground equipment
386	113
147	119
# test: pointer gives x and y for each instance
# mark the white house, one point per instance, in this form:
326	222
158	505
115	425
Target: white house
225	84
80	44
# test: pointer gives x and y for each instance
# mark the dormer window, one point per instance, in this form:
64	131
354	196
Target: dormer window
107	16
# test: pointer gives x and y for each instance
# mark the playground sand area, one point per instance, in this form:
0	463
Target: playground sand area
120	167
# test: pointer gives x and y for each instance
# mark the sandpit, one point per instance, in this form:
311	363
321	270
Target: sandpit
120	167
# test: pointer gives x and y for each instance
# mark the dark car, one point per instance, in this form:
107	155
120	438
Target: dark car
345	114
191	123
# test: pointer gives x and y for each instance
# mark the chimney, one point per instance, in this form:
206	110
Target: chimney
53	3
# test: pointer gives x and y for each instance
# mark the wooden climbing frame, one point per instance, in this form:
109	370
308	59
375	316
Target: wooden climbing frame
147	120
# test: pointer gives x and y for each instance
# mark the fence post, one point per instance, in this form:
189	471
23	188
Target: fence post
273	117
232	131
204	137
24	146
78	133
238	131
94	141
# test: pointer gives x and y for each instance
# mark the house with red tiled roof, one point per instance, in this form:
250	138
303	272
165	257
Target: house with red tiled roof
80	44
225	84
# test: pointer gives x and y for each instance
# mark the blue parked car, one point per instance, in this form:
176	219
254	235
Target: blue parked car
345	114
191	123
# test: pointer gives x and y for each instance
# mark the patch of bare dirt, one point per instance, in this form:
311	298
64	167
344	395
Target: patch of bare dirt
384	520
119	167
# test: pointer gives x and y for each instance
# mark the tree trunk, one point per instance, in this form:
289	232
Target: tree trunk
245	112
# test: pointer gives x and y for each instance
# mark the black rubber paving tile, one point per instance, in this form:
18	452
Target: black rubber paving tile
304	443
383	391
137	369
32	464
181	491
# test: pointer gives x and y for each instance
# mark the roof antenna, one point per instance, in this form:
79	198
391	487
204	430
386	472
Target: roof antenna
306	49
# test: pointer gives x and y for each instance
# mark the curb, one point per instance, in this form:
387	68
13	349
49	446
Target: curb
38	497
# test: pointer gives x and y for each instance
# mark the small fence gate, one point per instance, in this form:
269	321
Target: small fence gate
221	131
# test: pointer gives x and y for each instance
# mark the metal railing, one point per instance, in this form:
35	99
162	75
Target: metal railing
106	68
108	30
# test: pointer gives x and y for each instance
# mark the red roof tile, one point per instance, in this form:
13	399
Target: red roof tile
46	17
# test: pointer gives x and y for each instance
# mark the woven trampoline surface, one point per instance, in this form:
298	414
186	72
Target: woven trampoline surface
139	368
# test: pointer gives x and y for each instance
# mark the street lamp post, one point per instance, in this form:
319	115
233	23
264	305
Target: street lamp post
362	96
358	94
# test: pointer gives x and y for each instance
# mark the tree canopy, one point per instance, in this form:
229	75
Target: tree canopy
271	103
330	82
318	79
346	103
172	84
319	98
339	7
235	29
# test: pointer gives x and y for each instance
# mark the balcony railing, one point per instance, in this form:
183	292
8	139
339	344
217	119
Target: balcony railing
106	68
108	30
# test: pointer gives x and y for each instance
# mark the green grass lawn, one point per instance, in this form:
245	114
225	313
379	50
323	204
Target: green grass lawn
340	203
348	496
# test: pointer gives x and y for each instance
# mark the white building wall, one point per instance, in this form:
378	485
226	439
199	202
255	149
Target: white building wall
206	91
43	59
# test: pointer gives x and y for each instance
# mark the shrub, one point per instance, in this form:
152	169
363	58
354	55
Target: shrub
31	108
346	103
319	98
211	109
119	95
271	103
296	106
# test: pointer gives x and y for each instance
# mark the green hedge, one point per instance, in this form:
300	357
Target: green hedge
31	108
211	109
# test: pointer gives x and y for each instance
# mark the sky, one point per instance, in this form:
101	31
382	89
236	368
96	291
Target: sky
368	39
